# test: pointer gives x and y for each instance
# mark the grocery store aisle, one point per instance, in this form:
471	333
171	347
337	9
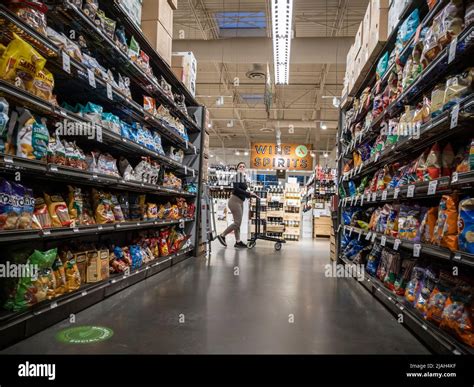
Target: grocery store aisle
280	302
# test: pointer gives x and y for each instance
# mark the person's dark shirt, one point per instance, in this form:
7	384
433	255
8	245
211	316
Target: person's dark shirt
240	187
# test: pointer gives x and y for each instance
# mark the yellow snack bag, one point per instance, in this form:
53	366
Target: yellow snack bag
43	85
20	63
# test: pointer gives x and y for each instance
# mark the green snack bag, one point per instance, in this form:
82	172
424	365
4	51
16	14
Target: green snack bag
38	285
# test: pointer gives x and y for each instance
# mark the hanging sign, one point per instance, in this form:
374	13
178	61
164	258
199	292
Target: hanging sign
285	157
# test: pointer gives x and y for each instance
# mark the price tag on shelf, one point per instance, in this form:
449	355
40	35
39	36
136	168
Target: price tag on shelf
396	192
362	199
360	168
352	201
356	200
66	62
339	228
7	159
195	150
46	232
455	177
396	244
457	257
452	49
454	116
100	227
411	191
383	240
84	293
384	195
367	237
75	229
91	77
187	145
416	250
374	237
374	197
360	235
53	305
109	91
350	231
53	168
185	170
432	187
377	157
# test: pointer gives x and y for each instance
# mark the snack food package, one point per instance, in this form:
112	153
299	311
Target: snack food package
73	274
102	207
403	277
447	160
58	210
43	85
373	259
32	138
8	218
428	285
466	225
90	8
151	211
4	118
439	296
41	216
20	63
415	285
26	214
33	289
163	242
428	224
60	278
457	317
116	208
149	105
445	233
33	13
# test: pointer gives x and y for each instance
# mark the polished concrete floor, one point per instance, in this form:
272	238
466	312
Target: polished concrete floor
280	302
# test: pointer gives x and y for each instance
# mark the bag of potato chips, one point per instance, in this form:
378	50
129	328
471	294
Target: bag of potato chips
20	63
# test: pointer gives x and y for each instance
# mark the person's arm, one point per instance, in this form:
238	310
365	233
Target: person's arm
238	189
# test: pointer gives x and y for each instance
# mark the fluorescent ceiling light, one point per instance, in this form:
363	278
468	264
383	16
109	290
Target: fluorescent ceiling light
237	153
282	15
336	102
246	153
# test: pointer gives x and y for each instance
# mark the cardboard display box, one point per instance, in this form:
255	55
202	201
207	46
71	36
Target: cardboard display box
358	40
322	231
173	4
160	40
292	216
323	221
158	10
378	33
184	66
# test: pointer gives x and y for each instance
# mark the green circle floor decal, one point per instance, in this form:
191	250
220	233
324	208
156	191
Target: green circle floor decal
84	335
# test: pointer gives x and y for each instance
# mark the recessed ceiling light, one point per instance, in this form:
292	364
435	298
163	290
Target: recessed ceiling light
246	153
237	153
326	155
323	126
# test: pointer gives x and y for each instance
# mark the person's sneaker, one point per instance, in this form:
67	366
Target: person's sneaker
241	245
221	239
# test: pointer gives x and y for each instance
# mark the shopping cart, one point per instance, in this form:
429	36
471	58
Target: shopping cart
259	235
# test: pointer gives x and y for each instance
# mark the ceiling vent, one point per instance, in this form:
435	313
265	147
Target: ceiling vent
256	73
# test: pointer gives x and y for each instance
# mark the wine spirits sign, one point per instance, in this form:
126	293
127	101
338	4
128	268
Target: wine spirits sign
291	157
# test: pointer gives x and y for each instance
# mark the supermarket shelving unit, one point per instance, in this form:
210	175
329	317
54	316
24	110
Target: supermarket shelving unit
15	326
449	124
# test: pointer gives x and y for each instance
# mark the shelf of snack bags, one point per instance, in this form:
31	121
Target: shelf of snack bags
92	21
438	340
435	171
70	281
94	117
440	229
437	62
407	23
452	120
66	56
44	213
116	10
418	292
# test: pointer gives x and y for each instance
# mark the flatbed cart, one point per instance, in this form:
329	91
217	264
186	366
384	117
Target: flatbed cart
259	235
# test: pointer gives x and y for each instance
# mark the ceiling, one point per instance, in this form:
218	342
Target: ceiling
323	32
